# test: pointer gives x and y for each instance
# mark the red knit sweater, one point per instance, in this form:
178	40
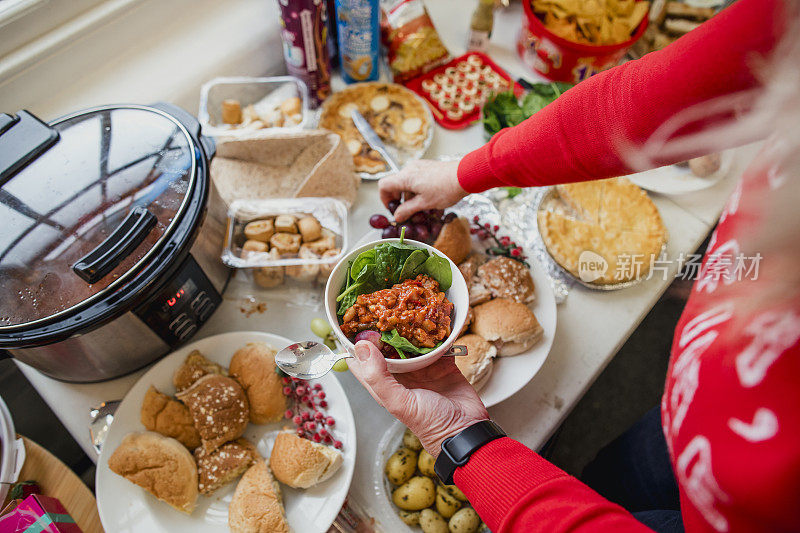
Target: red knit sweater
731	406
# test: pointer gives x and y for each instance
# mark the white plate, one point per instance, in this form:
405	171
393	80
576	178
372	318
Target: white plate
125	507
675	179
510	374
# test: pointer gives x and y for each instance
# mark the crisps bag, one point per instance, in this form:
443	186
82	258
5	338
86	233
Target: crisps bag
558	38
411	40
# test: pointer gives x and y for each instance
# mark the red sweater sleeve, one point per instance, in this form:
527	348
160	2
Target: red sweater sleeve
578	136
514	489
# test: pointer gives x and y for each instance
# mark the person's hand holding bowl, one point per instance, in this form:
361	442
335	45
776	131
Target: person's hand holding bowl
435	402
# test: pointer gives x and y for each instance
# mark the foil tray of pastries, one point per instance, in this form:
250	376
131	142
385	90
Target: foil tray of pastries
399	117
607	234
240	106
193	443
279	240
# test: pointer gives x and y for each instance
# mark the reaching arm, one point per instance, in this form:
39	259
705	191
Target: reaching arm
578	136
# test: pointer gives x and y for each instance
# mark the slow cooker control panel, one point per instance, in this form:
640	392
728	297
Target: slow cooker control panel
180	308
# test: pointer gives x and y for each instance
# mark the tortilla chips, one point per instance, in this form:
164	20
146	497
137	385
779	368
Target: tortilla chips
597	22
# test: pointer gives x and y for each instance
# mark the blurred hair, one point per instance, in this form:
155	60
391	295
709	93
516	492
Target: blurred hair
771	112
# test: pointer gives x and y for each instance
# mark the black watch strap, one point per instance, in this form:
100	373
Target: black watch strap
457	450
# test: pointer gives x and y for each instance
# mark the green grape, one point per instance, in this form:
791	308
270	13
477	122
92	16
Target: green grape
330	343
340	366
320	327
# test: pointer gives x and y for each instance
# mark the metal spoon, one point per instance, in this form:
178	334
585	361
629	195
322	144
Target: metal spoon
100	419
311	360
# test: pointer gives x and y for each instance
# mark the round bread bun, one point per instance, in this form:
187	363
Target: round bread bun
510	325
301	463
253	366
257	505
160	465
454	240
507	278
477	365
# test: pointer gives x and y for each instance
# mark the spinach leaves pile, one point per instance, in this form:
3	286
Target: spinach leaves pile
385	265
504	111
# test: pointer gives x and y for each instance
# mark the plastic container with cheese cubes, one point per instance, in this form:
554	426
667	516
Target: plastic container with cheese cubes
457	90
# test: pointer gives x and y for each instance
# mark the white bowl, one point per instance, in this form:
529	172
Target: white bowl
457	294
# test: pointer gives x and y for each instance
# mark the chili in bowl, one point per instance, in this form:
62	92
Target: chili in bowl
404	296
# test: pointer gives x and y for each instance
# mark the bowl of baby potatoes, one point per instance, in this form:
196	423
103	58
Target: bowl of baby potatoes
411	496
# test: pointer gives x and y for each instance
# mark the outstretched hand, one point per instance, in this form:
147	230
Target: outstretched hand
426	184
435	402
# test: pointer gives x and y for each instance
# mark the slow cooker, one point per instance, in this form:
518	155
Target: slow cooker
110	241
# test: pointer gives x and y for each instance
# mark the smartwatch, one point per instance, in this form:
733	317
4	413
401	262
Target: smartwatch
457	450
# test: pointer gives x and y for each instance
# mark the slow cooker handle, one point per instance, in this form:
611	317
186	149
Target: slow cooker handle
117	246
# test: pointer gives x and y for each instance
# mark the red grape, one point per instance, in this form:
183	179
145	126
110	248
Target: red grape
423	234
390	233
419	217
410	233
379	221
393	205
370	335
436	229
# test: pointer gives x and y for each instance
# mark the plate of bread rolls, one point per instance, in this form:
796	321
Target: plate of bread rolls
214	437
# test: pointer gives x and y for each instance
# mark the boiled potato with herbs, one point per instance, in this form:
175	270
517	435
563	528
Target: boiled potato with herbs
409	517
425	463
415	494
432	522
401	466
411	441
456	492
446	503
465	520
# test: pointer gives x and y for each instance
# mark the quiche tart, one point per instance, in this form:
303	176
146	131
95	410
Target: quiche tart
611	218
395	113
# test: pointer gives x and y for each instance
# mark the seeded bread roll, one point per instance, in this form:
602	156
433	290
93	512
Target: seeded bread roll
253	366
168	416
301	463
509	325
160	465
226	463
257	505
195	367
507	278
218	405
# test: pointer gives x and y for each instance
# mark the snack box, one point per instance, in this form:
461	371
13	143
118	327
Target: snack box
456	90
265	94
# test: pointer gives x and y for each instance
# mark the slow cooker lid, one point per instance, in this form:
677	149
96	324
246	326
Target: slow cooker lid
84	216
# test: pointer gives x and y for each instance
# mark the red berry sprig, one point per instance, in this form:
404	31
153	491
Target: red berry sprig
503	245
307	401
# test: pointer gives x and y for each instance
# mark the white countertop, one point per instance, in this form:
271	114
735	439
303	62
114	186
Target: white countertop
591	325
